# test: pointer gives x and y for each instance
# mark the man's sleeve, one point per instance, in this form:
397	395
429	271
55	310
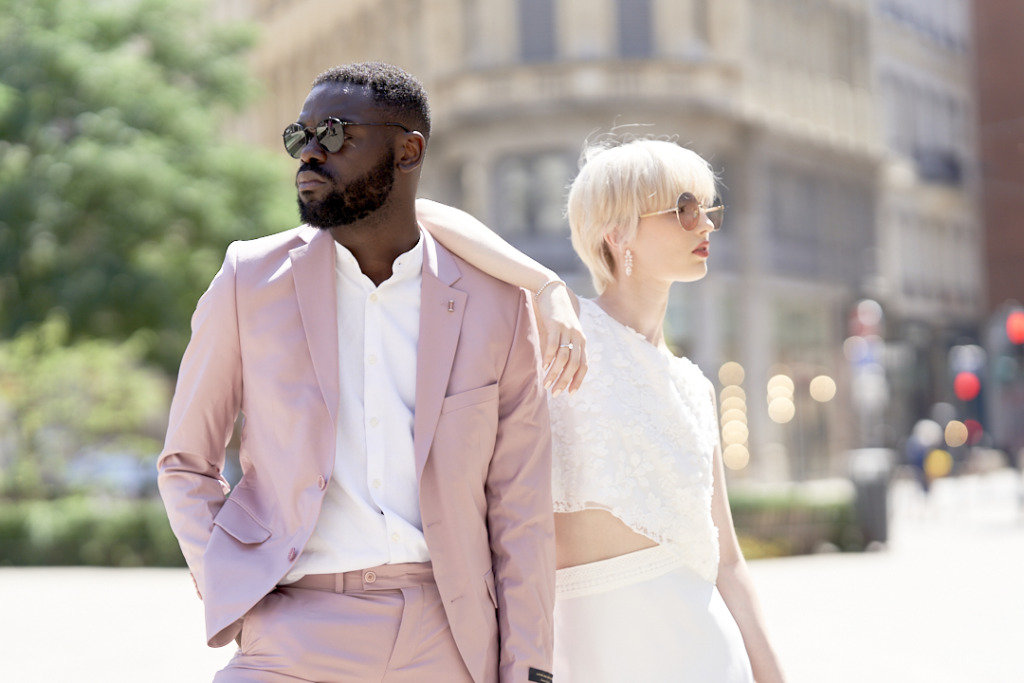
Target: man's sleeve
206	402
519	512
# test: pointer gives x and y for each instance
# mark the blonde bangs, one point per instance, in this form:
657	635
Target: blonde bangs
619	181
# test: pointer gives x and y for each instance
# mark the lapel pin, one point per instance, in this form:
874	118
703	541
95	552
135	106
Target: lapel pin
451	305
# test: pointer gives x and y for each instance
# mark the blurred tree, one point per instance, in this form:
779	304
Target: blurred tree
59	401
119	189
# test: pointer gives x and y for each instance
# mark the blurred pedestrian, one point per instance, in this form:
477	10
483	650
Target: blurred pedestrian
925	438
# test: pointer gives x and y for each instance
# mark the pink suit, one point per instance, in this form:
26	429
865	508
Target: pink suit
264	341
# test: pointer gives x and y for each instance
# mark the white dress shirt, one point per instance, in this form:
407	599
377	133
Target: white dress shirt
371	508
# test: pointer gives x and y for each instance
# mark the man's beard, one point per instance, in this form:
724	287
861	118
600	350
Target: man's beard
355	201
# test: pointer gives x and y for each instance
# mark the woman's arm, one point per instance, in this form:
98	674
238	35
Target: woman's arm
736	586
556	308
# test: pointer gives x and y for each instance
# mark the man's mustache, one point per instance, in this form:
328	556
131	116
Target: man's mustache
316	169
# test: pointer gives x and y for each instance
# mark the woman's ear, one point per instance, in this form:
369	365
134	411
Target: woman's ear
613	242
410	153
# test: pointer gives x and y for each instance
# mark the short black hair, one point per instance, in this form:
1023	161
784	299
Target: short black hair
396	90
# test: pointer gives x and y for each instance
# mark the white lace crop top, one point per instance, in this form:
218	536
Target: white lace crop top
637	439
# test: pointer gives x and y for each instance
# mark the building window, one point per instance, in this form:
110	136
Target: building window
530	192
537	37
634	23
701	20
472	44
821	227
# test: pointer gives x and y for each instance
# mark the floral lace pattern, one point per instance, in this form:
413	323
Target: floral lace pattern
637	439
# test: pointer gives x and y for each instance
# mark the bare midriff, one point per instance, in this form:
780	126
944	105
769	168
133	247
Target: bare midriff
593	535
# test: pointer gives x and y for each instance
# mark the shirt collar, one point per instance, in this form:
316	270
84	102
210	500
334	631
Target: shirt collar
407	265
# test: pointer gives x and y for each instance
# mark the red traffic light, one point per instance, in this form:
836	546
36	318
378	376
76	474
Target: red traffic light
1015	327
974	432
966	386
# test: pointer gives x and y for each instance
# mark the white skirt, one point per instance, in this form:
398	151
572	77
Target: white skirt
644	616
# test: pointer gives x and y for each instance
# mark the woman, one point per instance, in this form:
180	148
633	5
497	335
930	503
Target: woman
651	583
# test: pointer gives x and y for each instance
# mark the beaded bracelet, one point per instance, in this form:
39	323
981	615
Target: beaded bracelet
548	284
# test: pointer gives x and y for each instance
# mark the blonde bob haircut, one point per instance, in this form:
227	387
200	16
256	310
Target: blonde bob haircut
618	181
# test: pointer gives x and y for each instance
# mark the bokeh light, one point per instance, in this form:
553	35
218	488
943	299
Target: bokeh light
938	463
732	390
928	432
869	313
974	432
823	388
779	390
966	386
966	358
1015	327
734	416
734	432
781	381
956	434
733	403
781	410
731	372
736	456
1004	369
942	413
855	349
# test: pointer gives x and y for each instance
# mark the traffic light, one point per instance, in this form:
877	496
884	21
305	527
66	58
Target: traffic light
1015	327
966	386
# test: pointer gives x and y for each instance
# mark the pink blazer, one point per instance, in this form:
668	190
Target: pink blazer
264	342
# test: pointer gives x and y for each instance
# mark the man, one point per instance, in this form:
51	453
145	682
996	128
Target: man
393	521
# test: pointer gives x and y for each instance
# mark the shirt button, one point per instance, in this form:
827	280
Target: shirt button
376	483
321	482
369	577
292	554
372	359
374	422
395	537
373	297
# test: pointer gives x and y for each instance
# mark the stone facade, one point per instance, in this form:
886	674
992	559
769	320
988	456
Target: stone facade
785	98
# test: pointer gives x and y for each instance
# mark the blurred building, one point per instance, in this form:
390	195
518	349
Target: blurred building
828	200
997	31
997	35
930	253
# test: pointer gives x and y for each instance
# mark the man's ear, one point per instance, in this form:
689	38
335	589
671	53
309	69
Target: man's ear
410	153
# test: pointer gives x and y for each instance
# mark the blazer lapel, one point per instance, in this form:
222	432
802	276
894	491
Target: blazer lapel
441	312
313	274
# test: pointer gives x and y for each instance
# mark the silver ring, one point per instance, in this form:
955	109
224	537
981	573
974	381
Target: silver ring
566	346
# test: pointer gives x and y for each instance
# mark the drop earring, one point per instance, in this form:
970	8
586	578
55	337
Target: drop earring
629	263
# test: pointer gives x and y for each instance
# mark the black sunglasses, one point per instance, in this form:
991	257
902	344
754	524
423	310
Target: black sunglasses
329	134
688	211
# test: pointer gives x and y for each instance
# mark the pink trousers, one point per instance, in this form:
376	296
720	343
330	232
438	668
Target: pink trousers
383	624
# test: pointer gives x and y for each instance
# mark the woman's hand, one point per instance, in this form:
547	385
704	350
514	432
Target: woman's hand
563	345
562	341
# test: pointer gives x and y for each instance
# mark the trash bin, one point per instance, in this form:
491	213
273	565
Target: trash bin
870	470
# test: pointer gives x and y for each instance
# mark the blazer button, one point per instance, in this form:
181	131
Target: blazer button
321	482
292	554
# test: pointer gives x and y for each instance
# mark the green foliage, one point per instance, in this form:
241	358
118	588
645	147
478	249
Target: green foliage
57	401
755	548
83	531
793	521
119	190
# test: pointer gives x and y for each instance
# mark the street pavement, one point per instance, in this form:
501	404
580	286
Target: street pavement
942	602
